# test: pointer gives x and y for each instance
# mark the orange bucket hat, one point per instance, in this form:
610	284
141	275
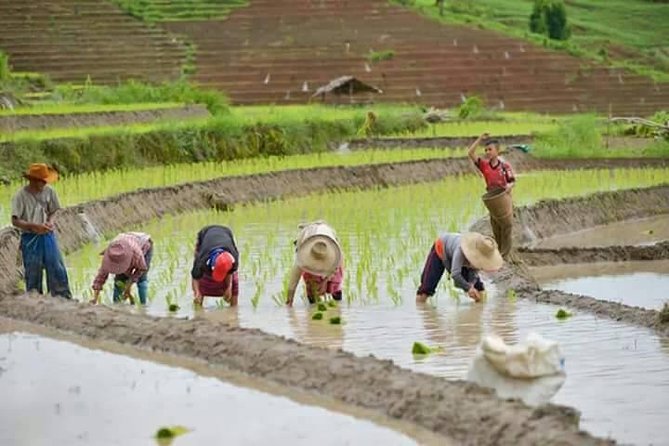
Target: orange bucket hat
41	171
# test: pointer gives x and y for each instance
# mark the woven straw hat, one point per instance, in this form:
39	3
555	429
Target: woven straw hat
481	251
318	252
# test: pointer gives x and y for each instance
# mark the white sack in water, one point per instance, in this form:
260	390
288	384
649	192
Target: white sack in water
531	370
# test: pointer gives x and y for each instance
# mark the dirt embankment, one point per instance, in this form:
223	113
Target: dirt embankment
549	256
430	142
462	412
548	218
15	123
552	217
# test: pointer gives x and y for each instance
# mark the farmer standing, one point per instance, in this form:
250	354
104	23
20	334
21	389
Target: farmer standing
128	257
462	255
214	272
318	261
33	211
499	177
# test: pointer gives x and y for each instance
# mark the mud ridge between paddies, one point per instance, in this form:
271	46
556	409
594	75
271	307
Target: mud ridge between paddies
15	123
460	411
552	217
430	142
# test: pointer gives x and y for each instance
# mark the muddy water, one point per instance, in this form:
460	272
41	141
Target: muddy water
386	235
84	396
632	232
643	284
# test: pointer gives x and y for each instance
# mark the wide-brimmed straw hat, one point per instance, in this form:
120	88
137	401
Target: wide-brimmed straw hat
481	251
318	252
117	257
41	171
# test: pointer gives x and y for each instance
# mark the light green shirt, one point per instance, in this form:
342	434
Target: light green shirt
35	208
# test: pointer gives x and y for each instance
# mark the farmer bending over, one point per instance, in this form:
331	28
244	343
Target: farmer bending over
462	256
214	272
33	210
318	261
128	257
498	175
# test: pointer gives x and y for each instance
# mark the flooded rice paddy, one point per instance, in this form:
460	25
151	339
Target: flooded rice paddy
640	284
644	231
617	375
57	392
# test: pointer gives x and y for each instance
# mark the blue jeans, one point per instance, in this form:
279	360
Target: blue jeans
41	252
120	281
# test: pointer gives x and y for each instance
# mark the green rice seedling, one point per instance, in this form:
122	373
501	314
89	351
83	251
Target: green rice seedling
171	300
511	295
420	349
221	304
336	320
170	432
332	304
322	306
317	316
563	314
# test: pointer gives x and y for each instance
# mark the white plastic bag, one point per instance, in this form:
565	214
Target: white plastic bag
531	370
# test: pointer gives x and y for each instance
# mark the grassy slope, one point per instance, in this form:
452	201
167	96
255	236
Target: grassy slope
633	32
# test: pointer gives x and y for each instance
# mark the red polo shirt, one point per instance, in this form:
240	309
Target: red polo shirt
496	176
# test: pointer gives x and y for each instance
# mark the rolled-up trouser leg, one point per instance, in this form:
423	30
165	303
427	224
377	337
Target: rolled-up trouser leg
56	275
432	272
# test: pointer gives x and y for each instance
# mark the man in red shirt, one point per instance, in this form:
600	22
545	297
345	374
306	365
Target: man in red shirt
498	175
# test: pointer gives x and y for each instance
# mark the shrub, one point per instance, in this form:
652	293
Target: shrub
549	17
4	67
378	56
472	107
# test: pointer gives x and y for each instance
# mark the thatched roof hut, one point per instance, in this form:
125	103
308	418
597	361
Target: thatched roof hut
345	85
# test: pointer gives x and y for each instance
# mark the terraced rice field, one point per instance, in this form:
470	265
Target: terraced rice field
72	40
305	44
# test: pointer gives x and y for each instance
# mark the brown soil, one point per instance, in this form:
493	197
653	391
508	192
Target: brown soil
47	121
458	410
544	257
72	41
307	44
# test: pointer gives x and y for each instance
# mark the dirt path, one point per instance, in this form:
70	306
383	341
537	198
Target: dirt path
17	123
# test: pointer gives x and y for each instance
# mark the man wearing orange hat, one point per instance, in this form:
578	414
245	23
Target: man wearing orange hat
214	272
463	256
33	210
318	261
128	257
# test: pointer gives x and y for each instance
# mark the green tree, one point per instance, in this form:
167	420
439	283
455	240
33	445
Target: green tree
549	17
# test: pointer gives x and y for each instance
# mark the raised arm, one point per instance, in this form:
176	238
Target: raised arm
471	152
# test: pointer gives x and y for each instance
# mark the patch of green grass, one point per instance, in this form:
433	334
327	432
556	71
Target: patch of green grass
132	92
61	108
160	10
632	33
380	56
317	316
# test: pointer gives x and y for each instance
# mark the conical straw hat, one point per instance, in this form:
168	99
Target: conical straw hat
481	251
